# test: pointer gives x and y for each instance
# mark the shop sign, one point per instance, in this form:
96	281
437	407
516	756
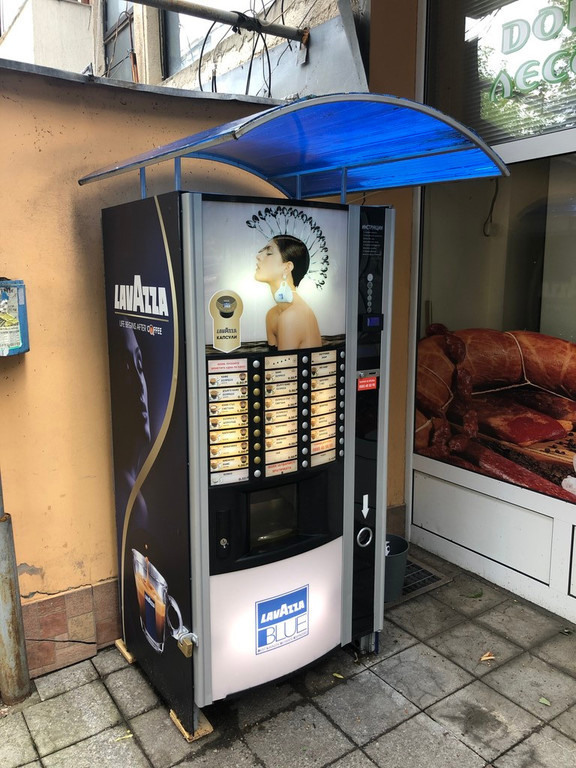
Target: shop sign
536	48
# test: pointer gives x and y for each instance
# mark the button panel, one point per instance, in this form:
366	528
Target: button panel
272	415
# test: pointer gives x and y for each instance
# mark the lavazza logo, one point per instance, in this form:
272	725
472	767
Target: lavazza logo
141	299
281	620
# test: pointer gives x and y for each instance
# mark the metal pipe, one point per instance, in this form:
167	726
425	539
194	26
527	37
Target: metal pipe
14	674
233	18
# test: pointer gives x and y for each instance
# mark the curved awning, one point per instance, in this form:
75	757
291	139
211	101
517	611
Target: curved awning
328	145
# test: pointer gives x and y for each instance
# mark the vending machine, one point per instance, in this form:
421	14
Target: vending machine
248	347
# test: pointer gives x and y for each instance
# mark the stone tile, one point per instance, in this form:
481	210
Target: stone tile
422	743
109	660
469	595
347	707
560	651
433	561
41	654
75	715
108	630
521	623
566	722
302	738
51	605
327	673
527	679
131	691
483	719
466	643
424	616
422	675
391	640
81	627
236	755
106	600
162	741
16	745
68	654
31	619
53	624
355	759
113	748
545	749
65	680
79	602
261	703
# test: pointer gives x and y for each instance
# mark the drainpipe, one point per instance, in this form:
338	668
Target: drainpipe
14	675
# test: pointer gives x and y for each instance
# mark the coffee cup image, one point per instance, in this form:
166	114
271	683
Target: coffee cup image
154	602
226	306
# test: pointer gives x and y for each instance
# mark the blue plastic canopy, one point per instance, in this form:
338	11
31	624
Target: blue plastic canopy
328	145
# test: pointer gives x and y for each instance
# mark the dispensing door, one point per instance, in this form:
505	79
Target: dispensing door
368	385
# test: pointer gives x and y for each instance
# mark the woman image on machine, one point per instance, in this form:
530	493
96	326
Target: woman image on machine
290	323
296	248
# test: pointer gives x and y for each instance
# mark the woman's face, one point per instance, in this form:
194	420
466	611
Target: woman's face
136	389
269	264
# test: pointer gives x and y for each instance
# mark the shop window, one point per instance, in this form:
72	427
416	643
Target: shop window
496	368
506	69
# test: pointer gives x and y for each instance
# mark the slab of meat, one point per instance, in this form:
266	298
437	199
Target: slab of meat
492	358
501	468
557	406
503	418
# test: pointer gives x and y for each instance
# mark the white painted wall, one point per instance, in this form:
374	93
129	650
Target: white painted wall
51	33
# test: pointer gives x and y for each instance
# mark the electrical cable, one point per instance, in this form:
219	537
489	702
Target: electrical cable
487	226
202	54
266	51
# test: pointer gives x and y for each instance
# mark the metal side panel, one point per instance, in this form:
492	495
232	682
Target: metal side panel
349	425
383	408
197	442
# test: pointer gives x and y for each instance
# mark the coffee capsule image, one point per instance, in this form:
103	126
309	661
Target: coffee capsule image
153	603
226	305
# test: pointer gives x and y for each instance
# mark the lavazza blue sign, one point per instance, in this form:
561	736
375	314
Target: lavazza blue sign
281	620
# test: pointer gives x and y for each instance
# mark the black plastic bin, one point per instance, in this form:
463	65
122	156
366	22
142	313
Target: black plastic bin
395	567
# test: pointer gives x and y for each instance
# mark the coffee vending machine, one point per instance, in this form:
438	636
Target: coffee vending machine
248	347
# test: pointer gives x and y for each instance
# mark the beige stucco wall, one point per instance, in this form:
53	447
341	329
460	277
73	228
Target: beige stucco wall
54	406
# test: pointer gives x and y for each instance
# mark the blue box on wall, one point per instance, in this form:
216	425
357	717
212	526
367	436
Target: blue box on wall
13	318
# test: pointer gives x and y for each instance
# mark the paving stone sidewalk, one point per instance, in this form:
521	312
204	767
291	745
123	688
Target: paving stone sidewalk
424	700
